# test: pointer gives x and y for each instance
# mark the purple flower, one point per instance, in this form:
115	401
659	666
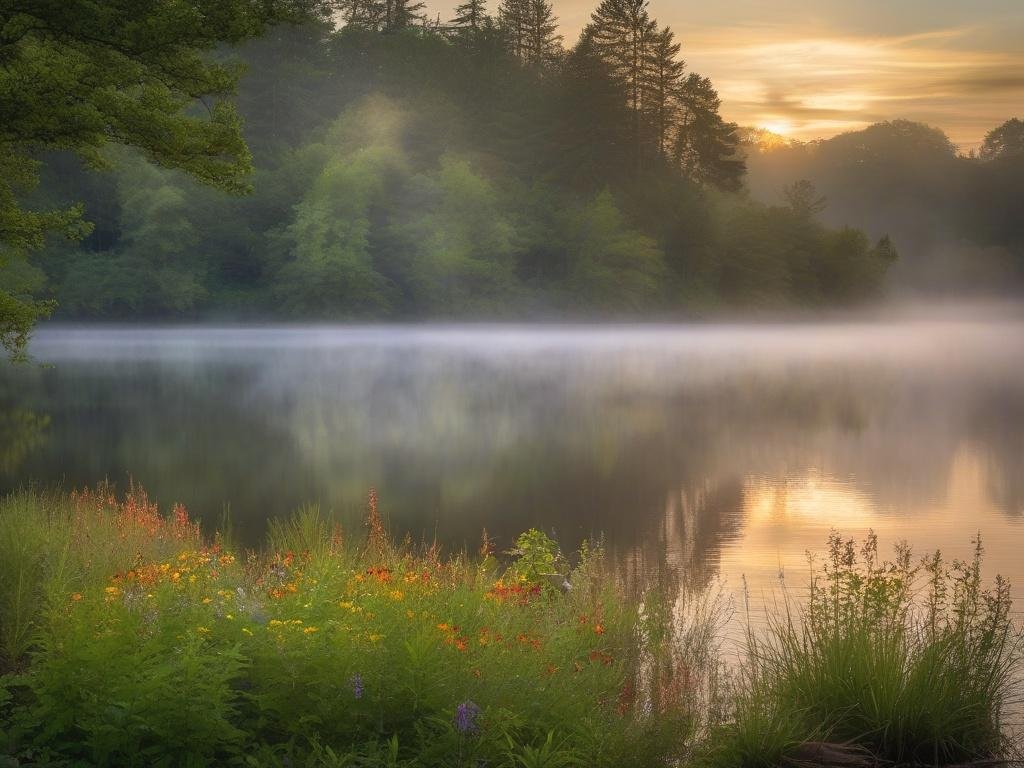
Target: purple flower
465	717
357	685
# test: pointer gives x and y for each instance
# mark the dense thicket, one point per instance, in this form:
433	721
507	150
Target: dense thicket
958	220
412	168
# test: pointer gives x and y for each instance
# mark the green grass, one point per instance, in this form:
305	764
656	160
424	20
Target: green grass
127	638
130	640
910	663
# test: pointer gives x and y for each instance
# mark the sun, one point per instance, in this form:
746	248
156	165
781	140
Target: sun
780	127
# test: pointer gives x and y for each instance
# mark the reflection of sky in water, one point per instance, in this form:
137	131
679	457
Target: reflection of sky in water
701	452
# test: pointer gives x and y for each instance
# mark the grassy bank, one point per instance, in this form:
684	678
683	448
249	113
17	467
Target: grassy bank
129	638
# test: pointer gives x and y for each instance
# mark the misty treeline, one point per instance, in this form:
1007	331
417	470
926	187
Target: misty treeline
957	219
409	166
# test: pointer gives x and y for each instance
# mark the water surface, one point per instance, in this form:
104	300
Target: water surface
709	452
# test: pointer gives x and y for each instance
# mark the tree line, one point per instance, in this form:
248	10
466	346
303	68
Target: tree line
398	166
958	217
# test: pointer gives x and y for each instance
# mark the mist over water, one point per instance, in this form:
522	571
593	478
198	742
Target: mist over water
705	451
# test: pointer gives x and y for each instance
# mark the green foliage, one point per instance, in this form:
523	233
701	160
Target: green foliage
536	557
115	73
148	646
475	172
612	266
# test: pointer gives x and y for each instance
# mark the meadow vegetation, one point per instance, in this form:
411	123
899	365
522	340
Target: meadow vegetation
129	638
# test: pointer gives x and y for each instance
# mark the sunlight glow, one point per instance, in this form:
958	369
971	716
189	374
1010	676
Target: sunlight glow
779	126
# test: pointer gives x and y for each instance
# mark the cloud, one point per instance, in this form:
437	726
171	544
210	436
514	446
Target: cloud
818	81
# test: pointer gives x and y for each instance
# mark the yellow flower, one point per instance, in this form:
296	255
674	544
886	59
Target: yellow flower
229	616
276	622
374	637
310	630
410	614
247	630
207	601
203	630
397	595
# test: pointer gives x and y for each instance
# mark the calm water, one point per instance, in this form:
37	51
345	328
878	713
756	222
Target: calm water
707	451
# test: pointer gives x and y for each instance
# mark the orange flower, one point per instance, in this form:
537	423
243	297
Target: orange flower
76	596
599	629
460	644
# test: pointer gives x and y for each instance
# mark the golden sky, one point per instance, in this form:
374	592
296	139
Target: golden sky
814	69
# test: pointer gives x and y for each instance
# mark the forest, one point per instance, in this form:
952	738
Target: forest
410	167
957	219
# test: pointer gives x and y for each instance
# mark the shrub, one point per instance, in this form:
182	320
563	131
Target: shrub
911	672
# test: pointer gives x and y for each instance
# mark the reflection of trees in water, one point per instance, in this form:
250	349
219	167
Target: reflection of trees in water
24	425
651	452
997	425
21	433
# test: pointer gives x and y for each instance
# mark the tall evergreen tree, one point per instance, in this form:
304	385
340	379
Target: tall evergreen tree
400	14
367	14
471	15
542	43
513	20
706	146
622	32
663	73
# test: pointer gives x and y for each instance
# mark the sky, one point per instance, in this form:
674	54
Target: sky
814	69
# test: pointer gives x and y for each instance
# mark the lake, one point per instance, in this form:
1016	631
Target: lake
706	453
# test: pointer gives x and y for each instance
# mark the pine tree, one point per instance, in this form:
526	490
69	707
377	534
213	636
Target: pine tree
663	73
471	15
513	16
706	146
621	32
399	14
367	14
541	41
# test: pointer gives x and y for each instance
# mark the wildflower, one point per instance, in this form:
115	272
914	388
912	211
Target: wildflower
599	629
357	685
207	601
310	630
460	644
203	630
247	630
465	718
76	596
374	637
397	595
